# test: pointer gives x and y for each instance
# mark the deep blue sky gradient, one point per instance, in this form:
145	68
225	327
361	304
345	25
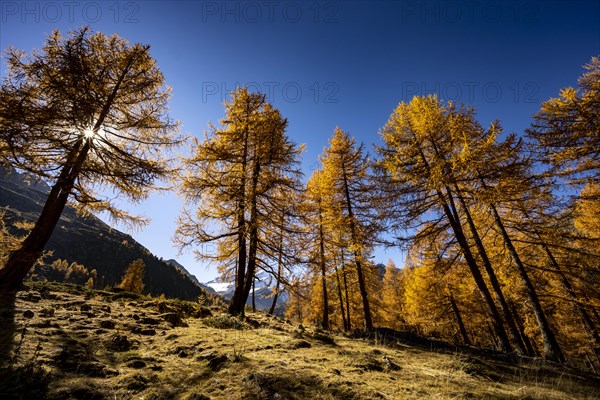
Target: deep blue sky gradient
325	64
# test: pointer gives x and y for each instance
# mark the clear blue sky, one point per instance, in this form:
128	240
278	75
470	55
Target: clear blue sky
332	63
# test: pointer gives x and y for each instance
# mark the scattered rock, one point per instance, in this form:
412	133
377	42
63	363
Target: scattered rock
182	354
28	314
80	393
299	344
324	338
174	319
197	396
137	382
389	364
149	321
119	343
45	294
44	324
171	337
95	369
106	309
370	364
207	355
47	312
85	308
252	322
107	324
135	317
34	298
137	364
216	363
148	332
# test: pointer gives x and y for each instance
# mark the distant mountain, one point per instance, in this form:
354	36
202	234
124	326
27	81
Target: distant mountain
263	292
184	271
92	243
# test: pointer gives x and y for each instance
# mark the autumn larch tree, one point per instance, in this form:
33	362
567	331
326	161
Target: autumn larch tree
314	207
133	278
566	130
88	115
346	175
231	186
492	162
418	146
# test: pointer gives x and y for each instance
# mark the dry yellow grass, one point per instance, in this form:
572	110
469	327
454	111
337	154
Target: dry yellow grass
73	353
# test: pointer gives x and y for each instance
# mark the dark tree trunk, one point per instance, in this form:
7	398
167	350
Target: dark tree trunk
453	219
279	272
341	297
461	325
345	279
253	294
475	272
585	317
530	347
325	316
253	234
508	317
236	306
22	260
552	349
357	260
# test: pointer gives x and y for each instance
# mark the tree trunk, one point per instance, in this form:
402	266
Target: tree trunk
236	307
528	343
461	325
339	286
552	349
586	320
253	294
454	221
368	325
253	233
22	260
325	316
279	272
346	291
472	264
508	317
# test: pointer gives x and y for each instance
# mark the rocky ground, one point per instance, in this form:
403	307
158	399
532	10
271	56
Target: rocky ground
73	343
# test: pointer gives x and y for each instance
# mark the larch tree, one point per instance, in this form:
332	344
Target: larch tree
393	296
314	206
502	164
133	278
566	131
348	184
417	160
87	114
231	187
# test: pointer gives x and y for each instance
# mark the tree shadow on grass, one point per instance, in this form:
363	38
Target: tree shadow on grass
16	379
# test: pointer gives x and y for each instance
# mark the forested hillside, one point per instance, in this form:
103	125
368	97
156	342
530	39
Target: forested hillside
89	242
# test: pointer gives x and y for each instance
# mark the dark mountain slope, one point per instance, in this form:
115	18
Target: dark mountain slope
91	242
